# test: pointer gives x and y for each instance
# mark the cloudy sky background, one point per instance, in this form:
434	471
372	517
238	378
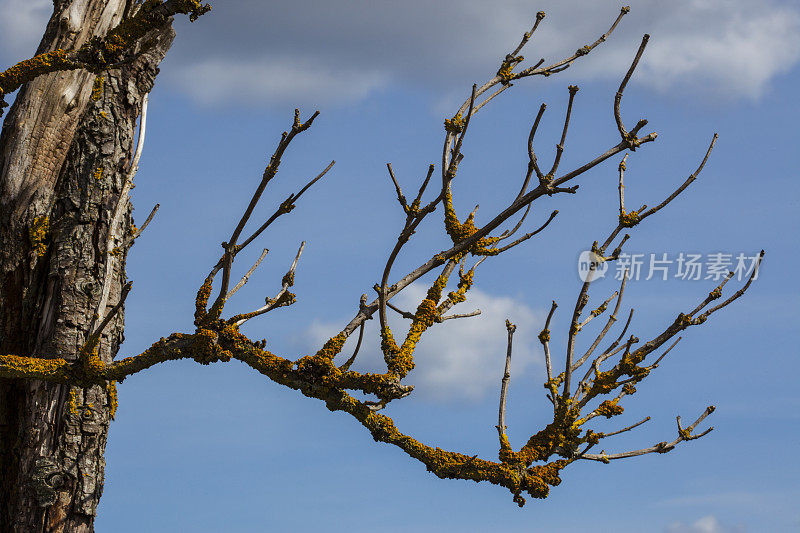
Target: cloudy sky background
212	448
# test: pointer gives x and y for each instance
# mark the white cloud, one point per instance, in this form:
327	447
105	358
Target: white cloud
726	49
22	24
748	46
268	80
706	524
771	502
457	360
312	52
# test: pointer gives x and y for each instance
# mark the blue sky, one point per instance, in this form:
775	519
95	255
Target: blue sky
218	448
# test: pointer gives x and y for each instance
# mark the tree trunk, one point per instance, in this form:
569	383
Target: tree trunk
65	148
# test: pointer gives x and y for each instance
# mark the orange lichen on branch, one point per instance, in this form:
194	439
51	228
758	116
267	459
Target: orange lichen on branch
332	347
561	434
535	481
465	280
455	124
53	370
459	232
56	60
628	220
201	301
113	399
176	346
206	348
505	72
609	408
544	336
401	360
238	346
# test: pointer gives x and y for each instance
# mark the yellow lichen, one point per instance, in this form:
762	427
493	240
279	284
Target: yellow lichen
72	401
459	232
683	321
97	88
628	220
332	347
455	124
93	365
600	309
535	481
544	336
15	366
38	233
505	71
113	399
201	301
205	348
12	78
609	408
98	173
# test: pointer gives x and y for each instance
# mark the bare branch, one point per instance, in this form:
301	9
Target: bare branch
283	298
94	338
661	447
544	338
685	184
573	90
138	231
347	364
501	423
249	273
526	37
735	295
476	312
528	235
622	186
629	428
532	162
618	98
285	207
609	323
557	66
400	198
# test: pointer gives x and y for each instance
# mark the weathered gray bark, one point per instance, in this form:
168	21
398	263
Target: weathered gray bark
64	150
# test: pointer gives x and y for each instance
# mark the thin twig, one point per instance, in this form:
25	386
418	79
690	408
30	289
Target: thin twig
573	90
661	447
501	423
476	312
618	97
685	184
249	273
347	364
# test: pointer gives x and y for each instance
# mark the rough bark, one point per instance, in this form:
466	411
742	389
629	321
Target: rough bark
65	146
